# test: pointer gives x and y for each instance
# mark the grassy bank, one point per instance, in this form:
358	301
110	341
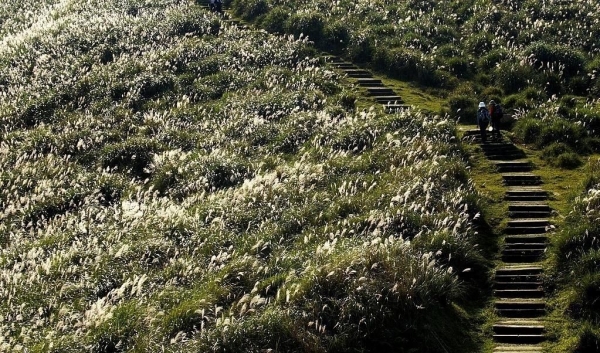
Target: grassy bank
168	188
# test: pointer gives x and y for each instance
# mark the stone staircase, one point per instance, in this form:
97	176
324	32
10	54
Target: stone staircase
518	286
375	88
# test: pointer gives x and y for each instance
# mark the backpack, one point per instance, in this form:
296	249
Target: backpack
498	113
483	116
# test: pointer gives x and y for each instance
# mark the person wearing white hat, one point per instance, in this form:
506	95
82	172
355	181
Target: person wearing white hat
483	119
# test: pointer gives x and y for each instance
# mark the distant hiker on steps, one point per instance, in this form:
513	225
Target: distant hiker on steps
216	6
496	113
483	119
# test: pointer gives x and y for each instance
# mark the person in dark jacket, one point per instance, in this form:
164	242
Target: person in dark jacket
483	119
496	114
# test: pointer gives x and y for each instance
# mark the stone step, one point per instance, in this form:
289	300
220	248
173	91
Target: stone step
517	285
525	194
524	246
520	309
344	66
523	256
519	338
539	206
358	73
519	328
505	156
514	179
525	238
380	91
528	214
522	226
394	108
528	222
519	293
520	271
505	168
518	349
525	230
388	99
517	278
369	82
332	59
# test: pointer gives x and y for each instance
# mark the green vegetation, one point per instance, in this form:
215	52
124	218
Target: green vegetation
576	280
173	183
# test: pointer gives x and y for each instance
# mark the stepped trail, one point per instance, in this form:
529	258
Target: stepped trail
519	297
520	300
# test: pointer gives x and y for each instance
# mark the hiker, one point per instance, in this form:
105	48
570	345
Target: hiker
216	6
219	6
496	114
483	119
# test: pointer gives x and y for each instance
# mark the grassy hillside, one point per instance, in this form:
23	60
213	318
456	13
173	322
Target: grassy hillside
540	59
522	53
167	188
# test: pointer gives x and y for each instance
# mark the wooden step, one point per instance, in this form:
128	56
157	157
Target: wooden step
344	66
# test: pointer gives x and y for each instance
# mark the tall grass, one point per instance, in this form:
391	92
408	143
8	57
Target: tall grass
165	187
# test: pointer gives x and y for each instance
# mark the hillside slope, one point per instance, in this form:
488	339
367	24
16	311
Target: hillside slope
167	188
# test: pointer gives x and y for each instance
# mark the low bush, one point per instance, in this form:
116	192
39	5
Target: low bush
309	25
250	9
133	155
336	36
512	77
464	106
556	57
274	21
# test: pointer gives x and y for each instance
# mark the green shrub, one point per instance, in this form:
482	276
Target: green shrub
134	155
568	161
512	77
515	101
479	44
274	20
561	130
562	156
464	106
360	48
492	58
307	24
336	36
527	129
250	9
589	341
566	59
556	149
459	67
